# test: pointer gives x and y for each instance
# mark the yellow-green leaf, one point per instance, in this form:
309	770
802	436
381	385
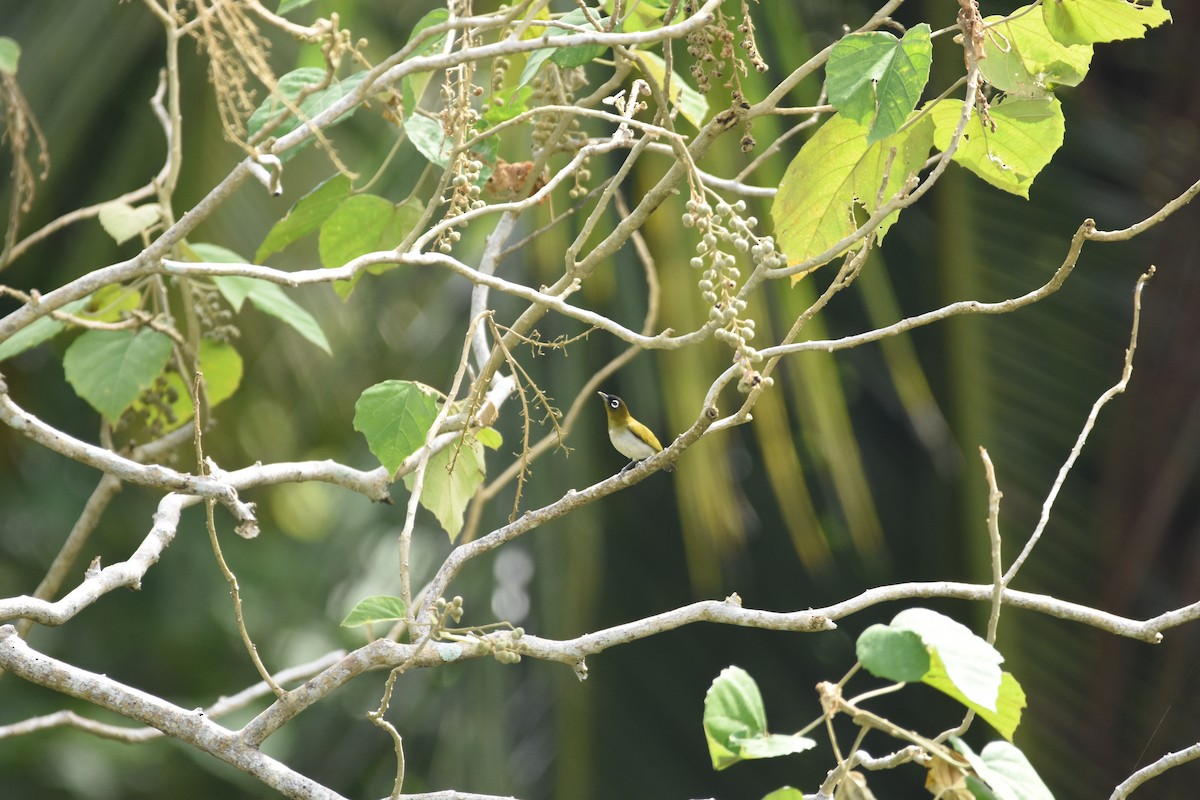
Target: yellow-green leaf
451	478
1028	132
1087	21
1010	699
1022	57
733	710
489	437
111	303
785	793
735	723
376	608
123	222
10	55
837	175
222	368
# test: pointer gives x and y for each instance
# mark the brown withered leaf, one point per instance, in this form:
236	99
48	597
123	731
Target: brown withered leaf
948	781
508	178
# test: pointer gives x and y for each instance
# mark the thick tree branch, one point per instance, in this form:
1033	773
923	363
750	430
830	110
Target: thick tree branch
190	726
220	708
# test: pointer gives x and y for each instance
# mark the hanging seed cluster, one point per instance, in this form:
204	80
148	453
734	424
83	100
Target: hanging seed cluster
499	72
748	43
459	118
713	50
723	229
154	412
715	55
557	86
213	313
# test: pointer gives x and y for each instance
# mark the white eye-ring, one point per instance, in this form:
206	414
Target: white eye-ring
615	403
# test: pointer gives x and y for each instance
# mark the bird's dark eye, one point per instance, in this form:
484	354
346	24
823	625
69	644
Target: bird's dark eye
615	403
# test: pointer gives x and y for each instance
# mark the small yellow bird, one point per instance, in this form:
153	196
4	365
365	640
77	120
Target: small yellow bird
631	438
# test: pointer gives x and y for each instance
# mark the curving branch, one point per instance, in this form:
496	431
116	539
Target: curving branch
126	574
387	654
152	475
1167	762
129	573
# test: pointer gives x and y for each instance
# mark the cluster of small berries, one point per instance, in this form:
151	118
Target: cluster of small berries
726	225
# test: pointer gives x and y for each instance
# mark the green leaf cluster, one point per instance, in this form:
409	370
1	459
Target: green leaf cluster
112	369
395	416
923	645
919	645
265	296
349	225
735	723
646	15
308	90
864	154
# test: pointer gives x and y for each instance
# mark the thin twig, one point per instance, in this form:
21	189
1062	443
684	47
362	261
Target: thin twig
993	528
211	525
423	455
1081	440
